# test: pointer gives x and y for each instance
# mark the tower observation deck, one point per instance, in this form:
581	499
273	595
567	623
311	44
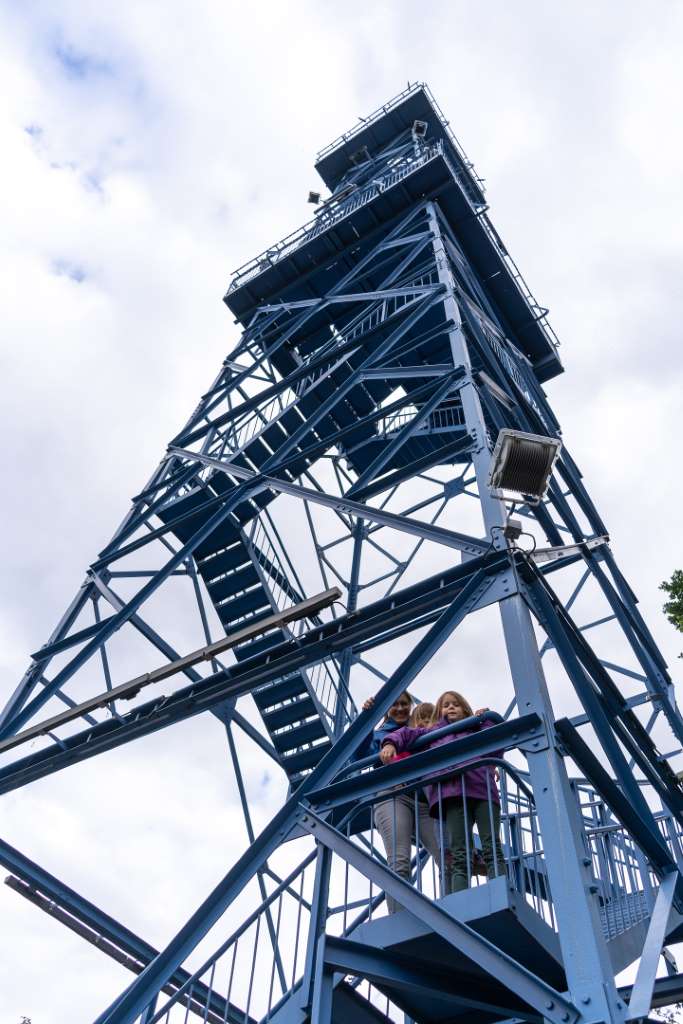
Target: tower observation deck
330	513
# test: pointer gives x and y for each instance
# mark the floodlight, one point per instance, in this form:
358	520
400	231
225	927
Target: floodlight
314	198
419	129
361	156
522	463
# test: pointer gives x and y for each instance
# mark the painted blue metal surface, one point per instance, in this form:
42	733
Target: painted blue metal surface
384	344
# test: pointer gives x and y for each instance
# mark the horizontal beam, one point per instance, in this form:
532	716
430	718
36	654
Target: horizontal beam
419	766
323	641
130	689
404	524
554	554
403	372
666	991
45	891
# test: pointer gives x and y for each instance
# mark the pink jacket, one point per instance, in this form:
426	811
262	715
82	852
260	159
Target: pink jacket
475	782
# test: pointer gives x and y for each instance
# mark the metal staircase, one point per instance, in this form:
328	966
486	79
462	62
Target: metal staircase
384	345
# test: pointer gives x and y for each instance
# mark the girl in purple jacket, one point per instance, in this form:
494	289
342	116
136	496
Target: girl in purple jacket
468	798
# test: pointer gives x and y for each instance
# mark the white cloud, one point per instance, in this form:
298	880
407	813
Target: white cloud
167	145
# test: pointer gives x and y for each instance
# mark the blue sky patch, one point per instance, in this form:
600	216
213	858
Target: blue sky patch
66	268
80	65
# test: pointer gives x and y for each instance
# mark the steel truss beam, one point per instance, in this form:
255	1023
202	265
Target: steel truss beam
401	523
415	280
367	624
419	979
130	689
139	994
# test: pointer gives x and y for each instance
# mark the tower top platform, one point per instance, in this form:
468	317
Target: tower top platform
401	156
415	103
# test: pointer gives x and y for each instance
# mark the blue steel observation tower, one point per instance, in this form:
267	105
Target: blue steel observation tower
326	512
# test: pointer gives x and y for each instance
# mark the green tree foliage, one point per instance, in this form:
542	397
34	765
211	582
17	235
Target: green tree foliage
668	1014
673	608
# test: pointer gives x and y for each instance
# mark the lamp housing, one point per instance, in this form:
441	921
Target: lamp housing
522	464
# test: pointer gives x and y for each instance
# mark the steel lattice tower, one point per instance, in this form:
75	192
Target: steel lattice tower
327	503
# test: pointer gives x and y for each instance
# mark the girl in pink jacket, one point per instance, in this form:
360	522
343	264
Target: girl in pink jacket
468	797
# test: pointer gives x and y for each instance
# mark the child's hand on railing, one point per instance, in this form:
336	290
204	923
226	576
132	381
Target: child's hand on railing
480	711
369	703
387	753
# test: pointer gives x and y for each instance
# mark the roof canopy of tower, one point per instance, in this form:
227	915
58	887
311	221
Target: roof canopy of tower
378	129
308	263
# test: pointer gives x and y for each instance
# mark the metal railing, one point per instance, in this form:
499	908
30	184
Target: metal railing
324	679
506	842
394	102
316	226
244	979
445	418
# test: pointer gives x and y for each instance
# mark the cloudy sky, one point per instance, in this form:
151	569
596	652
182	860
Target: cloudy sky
149	149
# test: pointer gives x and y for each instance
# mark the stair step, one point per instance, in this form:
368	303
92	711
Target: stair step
253	601
297	711
291	739
247	510
213	564
291	420
275	436
254	647
295	763
494	911
257	452
269	696
233	582
222	537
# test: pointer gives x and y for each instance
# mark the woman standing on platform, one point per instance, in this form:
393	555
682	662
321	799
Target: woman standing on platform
397	820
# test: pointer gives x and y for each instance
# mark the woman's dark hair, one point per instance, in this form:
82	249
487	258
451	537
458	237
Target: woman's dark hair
404	694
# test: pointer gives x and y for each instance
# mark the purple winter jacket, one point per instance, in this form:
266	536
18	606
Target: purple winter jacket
451	785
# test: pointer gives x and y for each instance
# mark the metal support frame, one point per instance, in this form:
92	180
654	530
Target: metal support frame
531	990
409	321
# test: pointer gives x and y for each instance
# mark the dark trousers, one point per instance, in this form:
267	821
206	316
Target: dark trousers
461	817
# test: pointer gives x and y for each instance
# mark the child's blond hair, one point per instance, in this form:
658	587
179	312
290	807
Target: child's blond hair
423	714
